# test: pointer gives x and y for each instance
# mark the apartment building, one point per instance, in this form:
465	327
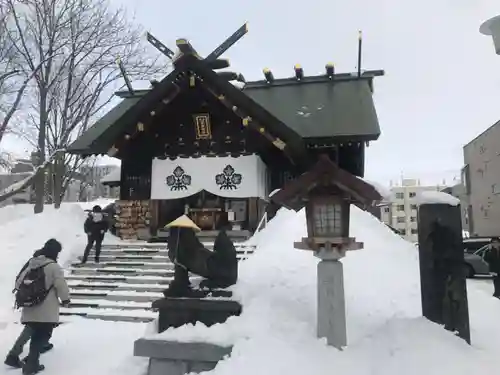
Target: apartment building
401	212
481	179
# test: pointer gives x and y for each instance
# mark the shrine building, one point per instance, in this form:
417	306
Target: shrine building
203	141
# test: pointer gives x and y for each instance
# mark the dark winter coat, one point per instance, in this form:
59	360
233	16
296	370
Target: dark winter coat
95	228
224	263
185	248
492	256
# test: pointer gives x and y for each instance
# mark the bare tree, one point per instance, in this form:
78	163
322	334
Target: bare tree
77	43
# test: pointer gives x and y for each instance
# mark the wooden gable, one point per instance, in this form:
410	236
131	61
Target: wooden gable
325	174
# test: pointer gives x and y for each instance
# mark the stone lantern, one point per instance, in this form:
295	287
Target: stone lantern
327	191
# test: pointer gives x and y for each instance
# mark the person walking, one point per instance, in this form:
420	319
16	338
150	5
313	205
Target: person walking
39	289
12	358
492	257
95	227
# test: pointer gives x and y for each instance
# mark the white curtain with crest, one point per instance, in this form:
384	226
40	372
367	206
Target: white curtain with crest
240	177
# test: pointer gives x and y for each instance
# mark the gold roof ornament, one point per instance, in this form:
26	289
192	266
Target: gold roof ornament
183	222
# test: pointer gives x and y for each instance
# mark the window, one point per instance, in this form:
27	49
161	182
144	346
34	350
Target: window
402	232
387	209
413	219
327	219
413	206
495	189
400	195
413	194
401	207
401	219
414	231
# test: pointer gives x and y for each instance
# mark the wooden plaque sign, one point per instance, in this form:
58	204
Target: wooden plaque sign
202	126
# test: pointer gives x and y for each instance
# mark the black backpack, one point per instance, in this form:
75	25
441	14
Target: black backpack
32	290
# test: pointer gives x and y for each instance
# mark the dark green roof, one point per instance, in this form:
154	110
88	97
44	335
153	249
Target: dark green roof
84	142
342	109
314	107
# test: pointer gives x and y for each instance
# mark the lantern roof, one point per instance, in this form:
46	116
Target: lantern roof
326	173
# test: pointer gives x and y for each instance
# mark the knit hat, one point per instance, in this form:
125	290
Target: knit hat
51	249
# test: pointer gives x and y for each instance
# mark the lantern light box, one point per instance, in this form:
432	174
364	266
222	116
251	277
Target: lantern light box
327	191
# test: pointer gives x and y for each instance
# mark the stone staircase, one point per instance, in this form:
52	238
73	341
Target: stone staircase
127	280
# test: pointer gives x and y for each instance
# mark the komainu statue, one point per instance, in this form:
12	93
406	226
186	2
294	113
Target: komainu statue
219	267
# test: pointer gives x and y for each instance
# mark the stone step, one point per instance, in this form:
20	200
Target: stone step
130	258
116	286
152	253
139	316
121	279
134	245
107	304
110	318
127	264
115	296
125	252
88	271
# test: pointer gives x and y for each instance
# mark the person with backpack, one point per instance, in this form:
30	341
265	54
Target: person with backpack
95	227
12	359
39	288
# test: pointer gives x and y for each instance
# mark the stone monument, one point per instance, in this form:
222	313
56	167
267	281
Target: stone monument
441	255
184	304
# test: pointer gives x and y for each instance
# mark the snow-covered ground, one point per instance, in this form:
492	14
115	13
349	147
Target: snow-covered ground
276	333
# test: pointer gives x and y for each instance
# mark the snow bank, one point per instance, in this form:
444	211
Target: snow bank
15	212
276	333
103	202
437	197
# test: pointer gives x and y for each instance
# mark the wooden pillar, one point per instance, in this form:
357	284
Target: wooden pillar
252	213
153	225
442	276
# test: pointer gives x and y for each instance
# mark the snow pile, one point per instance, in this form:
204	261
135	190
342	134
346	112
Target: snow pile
437	197
276	333
103	202
384	192
85	347
15	212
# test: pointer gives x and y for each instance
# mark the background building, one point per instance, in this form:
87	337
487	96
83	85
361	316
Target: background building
481	180
401	213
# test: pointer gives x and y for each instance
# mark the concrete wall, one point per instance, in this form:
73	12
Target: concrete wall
481	178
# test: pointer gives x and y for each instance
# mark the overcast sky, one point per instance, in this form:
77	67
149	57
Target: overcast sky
442	83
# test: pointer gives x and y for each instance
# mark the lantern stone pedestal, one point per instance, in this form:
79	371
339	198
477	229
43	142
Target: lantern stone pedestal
331	301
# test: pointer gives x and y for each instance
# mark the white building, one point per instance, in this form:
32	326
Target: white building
401	213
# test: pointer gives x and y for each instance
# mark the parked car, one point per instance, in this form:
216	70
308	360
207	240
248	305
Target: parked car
475	265
472	244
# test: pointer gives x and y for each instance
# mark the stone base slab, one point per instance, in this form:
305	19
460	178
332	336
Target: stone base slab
168	357
175	312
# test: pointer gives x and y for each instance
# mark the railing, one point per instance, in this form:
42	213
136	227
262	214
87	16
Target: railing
262	223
